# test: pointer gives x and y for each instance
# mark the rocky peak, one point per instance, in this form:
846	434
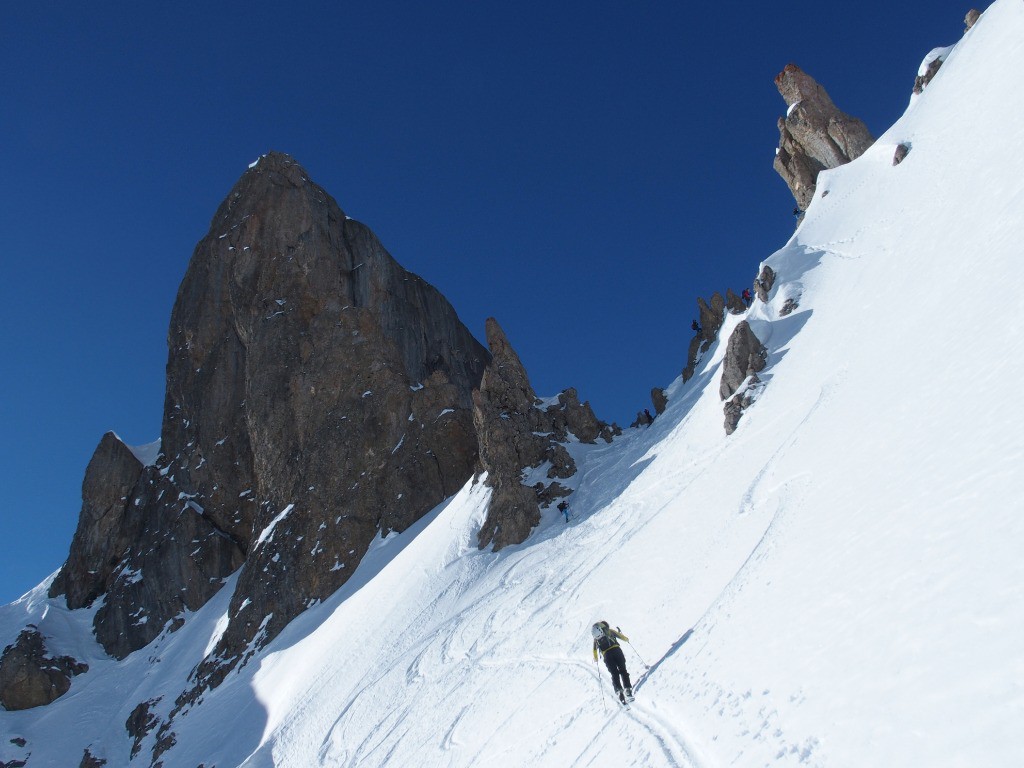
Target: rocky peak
318	395
814	135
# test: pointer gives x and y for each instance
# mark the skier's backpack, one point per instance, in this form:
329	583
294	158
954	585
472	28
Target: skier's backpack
603	637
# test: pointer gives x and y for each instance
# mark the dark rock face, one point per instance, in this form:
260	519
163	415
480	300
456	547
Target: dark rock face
515	434
659	399
744	355
971	18
317	394
140	723
901	152
710	319
814	135
89	760
102	535
176	560
29	678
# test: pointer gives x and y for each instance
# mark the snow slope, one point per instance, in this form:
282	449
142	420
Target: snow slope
838	583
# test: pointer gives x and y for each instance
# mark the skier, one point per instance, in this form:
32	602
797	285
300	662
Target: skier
747	298
606	640
563	507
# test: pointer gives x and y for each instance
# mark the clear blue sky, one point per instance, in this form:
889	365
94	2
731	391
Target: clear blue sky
580	170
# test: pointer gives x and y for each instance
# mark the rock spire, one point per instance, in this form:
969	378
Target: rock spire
814	135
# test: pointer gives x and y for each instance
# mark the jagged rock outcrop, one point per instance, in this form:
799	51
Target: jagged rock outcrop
971	19
710	318
517	433
103	534
659	399
764	282
140	723
902	150
814	135
923	78
643	419
733	303
89	760
738	403
745	356
317	394
29	677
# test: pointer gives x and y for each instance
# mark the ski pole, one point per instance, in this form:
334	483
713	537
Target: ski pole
646	665
600	687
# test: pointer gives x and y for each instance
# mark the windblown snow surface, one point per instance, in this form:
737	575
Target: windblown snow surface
838	583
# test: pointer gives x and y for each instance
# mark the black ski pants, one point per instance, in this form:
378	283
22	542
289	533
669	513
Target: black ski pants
615	660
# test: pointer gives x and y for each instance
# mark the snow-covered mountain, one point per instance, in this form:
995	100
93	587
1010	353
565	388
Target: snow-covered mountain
840	582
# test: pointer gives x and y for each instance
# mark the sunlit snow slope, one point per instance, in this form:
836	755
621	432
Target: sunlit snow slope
838	583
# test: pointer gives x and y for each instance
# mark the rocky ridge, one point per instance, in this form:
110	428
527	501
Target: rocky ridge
517	432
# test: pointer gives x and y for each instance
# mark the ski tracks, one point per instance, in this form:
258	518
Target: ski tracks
643	730
673	746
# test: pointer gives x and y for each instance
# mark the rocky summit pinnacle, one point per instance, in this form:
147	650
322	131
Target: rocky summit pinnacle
318	395
814	135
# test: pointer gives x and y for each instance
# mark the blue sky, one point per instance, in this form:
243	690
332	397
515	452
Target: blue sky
581	171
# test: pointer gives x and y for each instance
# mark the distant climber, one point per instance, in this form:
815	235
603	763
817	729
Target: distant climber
797	212
747	298
695	326
563	507
606	640
650	419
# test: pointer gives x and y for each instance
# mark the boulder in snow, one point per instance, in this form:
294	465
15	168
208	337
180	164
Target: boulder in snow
744	355
29	677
